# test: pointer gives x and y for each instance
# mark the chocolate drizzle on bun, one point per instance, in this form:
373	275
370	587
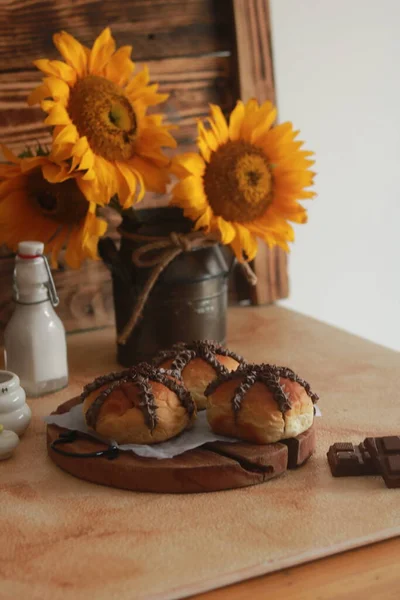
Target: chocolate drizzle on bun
260	403
269	375
197	364
141	376
182	353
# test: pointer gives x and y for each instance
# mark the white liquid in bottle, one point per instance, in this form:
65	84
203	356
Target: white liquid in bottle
34	339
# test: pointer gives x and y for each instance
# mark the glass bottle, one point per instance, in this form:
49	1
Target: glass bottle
34	339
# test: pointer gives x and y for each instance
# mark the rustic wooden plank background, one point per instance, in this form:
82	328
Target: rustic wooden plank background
190	47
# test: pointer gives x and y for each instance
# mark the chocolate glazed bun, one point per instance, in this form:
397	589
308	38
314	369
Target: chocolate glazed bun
197	364
142	405
260	404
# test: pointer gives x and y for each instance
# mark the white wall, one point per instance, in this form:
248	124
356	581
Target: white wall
337	72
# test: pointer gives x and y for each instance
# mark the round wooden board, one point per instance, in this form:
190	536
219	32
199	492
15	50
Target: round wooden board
214	467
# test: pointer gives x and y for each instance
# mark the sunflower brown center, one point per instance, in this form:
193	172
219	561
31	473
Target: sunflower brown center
238	182
61	202
101	112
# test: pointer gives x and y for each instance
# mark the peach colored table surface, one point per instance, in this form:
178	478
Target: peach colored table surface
62	538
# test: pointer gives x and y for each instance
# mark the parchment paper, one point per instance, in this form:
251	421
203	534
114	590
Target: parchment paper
199	435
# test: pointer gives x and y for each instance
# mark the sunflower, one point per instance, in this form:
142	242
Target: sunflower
98	112
40	200
247	179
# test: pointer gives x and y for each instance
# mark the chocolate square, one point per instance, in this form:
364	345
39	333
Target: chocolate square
393	463
385	453
347	460
344	446
391	444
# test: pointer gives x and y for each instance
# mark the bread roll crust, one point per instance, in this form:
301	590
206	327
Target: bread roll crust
197	364
118	411
255	414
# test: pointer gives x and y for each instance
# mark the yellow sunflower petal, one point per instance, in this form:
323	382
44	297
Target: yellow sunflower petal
92	191
58	116
38	94
220	123
127	183
188	163
279	134
8	154
305	195
57	68
190	189
297	214
204	148
67	135
72	51
56	246
155	178
31	163
74	255
87	160
105	179
207	136
226	229
55	173
83	158
138	89
120	67
295	180
273	221
154	137
266	117
236	121
48	105
8	186
56	89
249	119
94	229
204	220
102	50
244	244
280	240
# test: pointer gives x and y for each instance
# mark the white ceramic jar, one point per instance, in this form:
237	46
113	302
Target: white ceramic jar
15	414
8	442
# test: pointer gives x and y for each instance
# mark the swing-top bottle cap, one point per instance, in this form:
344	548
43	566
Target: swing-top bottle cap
30	249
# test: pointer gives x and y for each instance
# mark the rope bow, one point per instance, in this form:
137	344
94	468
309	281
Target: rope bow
157	253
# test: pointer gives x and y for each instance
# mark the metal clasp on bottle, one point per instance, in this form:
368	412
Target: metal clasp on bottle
54	299
51	288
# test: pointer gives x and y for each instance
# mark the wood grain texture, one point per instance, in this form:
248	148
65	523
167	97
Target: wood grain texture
211	468
255	76
86	300
66	539
370	573
191	82
155	28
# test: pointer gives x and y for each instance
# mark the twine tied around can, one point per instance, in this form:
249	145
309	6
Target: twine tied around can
157	252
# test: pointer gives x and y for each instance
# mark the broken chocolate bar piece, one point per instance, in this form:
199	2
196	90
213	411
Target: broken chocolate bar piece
385	453
301	447
347	460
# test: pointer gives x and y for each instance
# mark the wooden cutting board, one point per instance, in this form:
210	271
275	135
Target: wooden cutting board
214	467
